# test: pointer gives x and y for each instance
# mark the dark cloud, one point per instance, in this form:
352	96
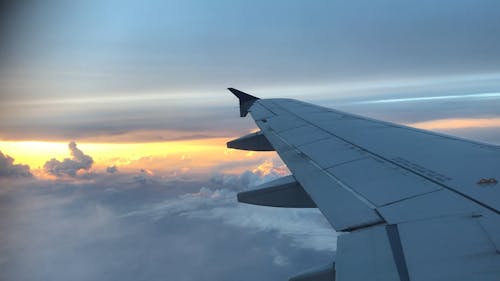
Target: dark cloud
111	169
9	169
123	121
69	166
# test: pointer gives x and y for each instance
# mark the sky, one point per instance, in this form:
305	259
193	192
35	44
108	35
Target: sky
115	114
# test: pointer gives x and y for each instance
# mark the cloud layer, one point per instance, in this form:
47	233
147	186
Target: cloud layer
115	227
307	228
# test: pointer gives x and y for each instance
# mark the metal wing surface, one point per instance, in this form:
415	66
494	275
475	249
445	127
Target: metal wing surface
411	204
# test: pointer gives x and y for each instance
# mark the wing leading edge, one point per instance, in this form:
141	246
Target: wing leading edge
411	203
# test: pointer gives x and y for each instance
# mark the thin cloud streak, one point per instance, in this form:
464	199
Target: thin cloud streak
457	123
432	98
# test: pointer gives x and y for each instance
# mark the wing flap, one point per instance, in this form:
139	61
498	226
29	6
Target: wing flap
491	225
367	255
449	248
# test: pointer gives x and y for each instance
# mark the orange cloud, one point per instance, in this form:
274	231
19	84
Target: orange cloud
270	167
457	123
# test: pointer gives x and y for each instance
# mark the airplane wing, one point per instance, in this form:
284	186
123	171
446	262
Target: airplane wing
411	204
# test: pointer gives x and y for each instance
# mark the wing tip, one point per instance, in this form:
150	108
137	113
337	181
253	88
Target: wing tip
246	100
242	96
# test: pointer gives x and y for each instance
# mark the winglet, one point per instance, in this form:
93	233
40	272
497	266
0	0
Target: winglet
246	100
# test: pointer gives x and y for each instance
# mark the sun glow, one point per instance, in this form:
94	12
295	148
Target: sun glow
178	157
182	156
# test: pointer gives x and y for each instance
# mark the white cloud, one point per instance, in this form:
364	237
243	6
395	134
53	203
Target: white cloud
278	258
306	227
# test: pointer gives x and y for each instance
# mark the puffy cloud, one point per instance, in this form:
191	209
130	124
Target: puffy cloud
69	166
111	169
9	169
266	171
278	258
307	228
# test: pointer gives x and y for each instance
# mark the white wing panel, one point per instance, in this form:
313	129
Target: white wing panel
322	115
332	151
380	182
304	135
259	112
347	125
282	123
431	205
366	255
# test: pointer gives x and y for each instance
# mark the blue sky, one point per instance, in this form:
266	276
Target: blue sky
138	57
68	48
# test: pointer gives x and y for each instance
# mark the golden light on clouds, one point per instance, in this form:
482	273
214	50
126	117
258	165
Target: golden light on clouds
457	123
268	167
194	156
199	156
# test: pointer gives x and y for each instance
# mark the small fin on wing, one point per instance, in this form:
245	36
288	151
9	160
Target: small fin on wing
253	142
283	192
246	100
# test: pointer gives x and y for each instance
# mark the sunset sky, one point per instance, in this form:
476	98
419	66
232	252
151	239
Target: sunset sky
114	117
